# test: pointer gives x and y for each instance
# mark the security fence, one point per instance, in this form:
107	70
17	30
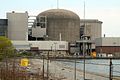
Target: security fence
60	68
11	69
95	69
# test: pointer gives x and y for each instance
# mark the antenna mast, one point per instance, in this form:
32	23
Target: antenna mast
84	9
84	19
57	4
84	45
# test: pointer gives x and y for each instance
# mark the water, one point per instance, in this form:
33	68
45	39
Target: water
97	66
116	67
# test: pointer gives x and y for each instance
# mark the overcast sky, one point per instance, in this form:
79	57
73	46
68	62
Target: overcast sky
107	11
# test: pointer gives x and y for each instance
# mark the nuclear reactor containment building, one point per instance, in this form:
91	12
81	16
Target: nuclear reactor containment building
60	21
55	25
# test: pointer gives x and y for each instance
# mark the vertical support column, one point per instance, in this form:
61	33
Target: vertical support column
87	49
43	68
48	65
75	71
110	72
84	61
90	48
80	48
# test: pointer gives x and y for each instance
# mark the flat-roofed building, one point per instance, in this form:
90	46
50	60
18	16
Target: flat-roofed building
93	28
41	45
108	45
17	26
3	27
90	29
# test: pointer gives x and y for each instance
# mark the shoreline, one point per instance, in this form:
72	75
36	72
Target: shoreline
60	71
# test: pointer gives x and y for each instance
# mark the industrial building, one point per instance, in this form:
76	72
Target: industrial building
108	45
41	45
17	26
58	30
58	47
92	28
52	25
59	23
3	27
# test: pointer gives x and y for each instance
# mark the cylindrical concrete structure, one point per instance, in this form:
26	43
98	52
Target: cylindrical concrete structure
62	22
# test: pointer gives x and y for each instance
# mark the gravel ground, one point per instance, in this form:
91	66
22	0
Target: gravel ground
59	71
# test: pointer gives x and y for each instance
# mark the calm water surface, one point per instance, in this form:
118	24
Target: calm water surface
97	66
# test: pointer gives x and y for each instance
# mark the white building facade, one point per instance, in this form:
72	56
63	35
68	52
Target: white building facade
41	45
17	26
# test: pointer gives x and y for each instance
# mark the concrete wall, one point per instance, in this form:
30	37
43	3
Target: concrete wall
93	28
38	32
108	49
108	45
50	45
17	26
21	45
108	41
98	42
41	45
62	21
69	29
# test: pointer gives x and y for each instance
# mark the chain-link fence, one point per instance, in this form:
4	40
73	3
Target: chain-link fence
43	68
95	69
10	69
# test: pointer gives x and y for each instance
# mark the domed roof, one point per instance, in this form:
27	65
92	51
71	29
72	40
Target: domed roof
59	13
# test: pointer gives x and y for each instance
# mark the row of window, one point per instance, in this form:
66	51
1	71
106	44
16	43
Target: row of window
2	33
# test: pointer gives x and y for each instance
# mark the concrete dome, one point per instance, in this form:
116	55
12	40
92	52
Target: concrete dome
59	13
62	21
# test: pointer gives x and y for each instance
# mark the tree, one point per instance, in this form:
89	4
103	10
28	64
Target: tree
6	47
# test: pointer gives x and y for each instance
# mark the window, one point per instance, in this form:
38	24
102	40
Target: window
42	25
61	46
